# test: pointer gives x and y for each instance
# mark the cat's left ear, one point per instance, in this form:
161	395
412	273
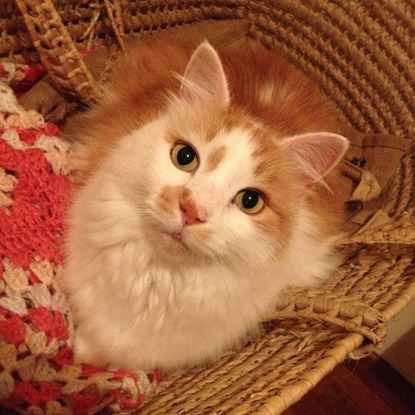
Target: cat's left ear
316	153
205	79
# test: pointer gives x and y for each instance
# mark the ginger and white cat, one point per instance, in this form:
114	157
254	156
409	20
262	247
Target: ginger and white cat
202	201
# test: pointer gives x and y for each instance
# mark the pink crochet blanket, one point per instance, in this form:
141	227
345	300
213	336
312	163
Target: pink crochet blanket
37	371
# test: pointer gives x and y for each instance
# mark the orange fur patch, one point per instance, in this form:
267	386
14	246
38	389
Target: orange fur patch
284	190
186	196
168	200
215	158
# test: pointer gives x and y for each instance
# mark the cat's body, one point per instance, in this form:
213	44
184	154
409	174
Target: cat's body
198	207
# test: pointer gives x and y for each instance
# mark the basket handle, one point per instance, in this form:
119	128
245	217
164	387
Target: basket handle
57	50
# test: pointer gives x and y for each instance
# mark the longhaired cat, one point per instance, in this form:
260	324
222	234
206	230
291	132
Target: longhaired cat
202	200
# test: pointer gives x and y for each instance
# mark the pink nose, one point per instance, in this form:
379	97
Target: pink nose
191	213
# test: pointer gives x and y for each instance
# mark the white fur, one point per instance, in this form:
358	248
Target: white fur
140	307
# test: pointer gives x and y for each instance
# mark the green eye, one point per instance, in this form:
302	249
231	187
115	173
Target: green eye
184	157
249	201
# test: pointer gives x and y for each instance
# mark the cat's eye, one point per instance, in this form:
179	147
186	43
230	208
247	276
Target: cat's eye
184	157
249	201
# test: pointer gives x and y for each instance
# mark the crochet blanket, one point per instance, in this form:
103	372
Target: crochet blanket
37	371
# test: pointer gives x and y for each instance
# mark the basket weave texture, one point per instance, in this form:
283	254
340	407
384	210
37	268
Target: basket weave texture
362	55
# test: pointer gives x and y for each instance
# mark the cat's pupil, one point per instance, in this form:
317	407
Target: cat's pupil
186	155
250	199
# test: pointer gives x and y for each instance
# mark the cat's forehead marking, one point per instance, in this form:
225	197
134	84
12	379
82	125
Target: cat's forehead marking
215	158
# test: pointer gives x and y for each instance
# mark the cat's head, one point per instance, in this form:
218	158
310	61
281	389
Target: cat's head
209	181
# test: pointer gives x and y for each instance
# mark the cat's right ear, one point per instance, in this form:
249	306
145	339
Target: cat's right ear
204	79
316	153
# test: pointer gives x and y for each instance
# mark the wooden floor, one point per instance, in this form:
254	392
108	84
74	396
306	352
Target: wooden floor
365	387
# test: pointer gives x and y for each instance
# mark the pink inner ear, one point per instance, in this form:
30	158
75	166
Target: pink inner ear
317	153
205	78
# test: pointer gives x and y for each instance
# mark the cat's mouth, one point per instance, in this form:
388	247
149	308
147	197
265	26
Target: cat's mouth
182	240
177	236
175	241
174	245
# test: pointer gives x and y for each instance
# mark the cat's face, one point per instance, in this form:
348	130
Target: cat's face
209	182
214	187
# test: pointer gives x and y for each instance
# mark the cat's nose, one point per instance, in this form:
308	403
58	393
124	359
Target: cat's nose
191	213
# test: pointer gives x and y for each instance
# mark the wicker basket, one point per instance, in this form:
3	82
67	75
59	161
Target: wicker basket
362	55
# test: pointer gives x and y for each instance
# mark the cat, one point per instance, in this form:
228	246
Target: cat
202	199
